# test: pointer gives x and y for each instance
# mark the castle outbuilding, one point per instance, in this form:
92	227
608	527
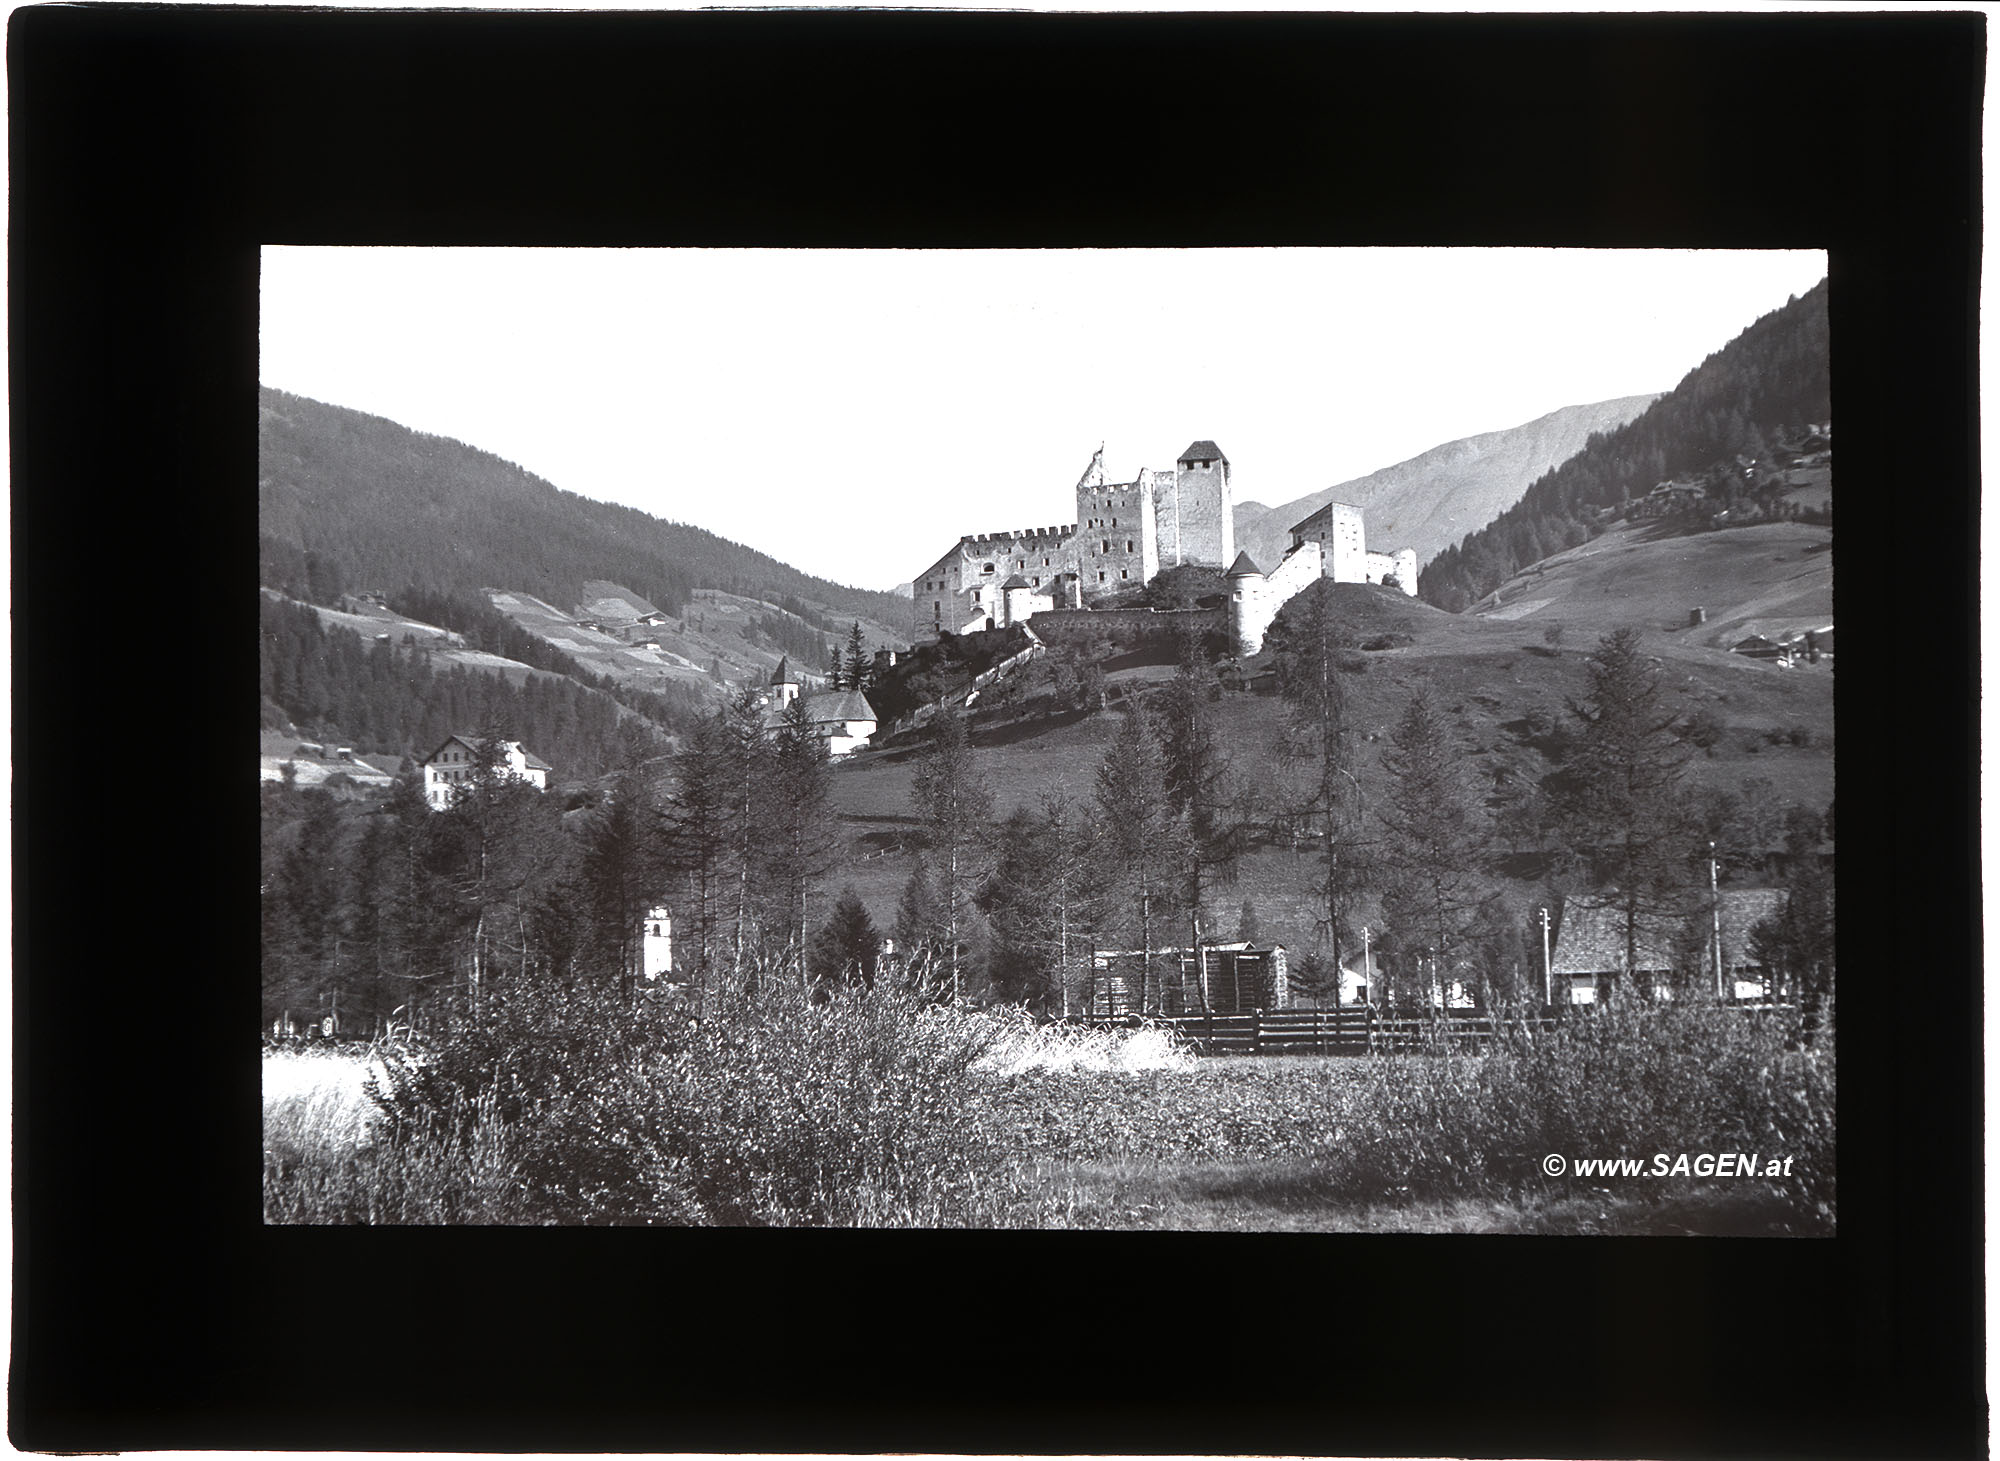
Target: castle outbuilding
1124	534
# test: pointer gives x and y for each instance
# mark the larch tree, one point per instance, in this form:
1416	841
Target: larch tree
956	808
797	840
621	876
1309	642
1434	837
1207	838
1137	835
1621	800
694	832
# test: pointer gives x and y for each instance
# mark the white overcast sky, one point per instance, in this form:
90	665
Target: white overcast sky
853	412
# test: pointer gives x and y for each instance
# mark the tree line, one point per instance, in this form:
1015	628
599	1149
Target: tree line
405	913
390	698
400	911
1760	388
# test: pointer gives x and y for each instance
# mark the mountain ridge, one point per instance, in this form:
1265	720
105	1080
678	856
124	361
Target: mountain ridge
1432	500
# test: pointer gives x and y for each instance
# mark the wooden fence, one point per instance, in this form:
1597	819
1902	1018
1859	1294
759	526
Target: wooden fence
1349	1030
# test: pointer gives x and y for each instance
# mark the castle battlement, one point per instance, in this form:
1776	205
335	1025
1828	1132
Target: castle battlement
983	541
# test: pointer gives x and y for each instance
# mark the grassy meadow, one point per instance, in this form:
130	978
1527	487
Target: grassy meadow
875	1111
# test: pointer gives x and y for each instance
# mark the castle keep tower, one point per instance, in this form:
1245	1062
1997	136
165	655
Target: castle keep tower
1203	528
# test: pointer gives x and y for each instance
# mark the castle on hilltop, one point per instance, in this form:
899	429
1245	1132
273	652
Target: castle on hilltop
1126	532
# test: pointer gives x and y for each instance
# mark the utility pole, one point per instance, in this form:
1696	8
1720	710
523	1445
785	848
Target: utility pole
1715	911
1548	977
1367	969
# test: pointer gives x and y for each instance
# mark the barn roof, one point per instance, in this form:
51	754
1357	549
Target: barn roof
1202	451
1591	937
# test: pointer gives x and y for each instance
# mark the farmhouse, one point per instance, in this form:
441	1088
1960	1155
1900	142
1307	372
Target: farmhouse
451	765
1589	952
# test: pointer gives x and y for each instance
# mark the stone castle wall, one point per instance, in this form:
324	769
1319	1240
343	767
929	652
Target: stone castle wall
1254	599
1116	538
1085	629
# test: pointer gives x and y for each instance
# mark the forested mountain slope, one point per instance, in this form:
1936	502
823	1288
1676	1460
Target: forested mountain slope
1766	383
379	506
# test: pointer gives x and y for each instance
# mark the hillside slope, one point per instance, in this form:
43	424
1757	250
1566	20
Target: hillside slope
389	507
1761	387
1432	500
1495	682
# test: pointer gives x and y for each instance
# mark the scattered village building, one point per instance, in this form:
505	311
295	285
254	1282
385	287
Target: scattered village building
1590	952
843	718
1224	979
1124	534
451	766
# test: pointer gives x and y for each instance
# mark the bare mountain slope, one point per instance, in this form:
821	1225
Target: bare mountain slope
1432	501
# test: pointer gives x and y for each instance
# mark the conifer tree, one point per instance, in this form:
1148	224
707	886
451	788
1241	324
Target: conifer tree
1434	837
856	664
1621	800
797	837
1206	839
920	928
956	807
847	946
695	831
1309	641
1139	839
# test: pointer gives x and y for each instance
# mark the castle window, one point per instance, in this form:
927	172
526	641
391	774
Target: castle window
1128	545
1045	563
1124	573
1100	575
987	568
1037	581
1107	545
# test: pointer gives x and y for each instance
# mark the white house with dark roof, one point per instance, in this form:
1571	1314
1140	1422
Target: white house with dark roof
843	718
451	766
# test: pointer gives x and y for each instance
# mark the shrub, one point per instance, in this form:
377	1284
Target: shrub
1702	729
1627	1079
587	1107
